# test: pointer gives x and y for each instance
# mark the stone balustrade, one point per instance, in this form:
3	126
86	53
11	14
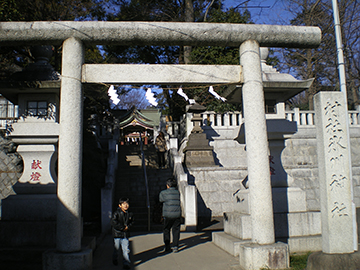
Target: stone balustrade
188	192
307	118
235	119
222	119
303	118
8	112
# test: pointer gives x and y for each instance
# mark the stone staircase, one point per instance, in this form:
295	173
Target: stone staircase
130	183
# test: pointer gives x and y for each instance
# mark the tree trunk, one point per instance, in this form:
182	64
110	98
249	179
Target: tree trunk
189	17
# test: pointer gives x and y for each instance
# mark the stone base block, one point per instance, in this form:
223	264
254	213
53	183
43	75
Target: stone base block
300	230
237	225
255	256
27	188
26	256
31	207
27	233
297	224
323	261
199	158
285	200
189	228
88	242
53	260
227	242
305	244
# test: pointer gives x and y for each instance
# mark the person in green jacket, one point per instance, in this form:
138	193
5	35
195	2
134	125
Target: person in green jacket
171	213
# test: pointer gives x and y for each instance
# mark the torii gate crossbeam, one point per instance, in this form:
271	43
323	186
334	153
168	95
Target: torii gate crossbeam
161	74
158	33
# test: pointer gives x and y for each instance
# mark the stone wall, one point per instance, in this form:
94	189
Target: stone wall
218	186
299	160
228	152
10	167
217	189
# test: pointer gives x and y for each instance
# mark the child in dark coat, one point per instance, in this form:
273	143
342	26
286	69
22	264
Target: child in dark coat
121	222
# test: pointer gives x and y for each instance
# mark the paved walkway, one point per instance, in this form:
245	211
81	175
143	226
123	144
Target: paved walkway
196	251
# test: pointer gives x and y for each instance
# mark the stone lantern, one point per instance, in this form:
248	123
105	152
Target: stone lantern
198	152
30	215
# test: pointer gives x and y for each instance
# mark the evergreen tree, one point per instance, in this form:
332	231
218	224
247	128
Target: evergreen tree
157	10
14	58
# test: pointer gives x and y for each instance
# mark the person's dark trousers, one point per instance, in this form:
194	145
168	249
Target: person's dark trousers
174	224
161	159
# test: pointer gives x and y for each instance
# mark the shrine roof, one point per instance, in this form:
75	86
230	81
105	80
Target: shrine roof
276	85
135	117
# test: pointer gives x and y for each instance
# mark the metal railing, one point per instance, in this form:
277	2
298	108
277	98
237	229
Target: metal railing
146	180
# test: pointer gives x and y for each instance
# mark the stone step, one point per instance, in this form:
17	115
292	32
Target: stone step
298	224
130	182
232	244
228	242
302	230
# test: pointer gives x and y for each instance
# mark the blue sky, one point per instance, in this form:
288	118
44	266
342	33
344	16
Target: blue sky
263	11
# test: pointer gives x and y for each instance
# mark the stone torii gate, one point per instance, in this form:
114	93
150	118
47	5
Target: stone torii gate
74	35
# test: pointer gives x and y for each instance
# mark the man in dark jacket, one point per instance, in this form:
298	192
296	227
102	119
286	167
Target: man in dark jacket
171	213
121	222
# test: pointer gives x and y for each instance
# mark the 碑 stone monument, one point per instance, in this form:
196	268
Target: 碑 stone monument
339	230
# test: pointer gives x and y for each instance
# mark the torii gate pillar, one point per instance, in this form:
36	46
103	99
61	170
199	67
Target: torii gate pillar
68	254
257	145
262	251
